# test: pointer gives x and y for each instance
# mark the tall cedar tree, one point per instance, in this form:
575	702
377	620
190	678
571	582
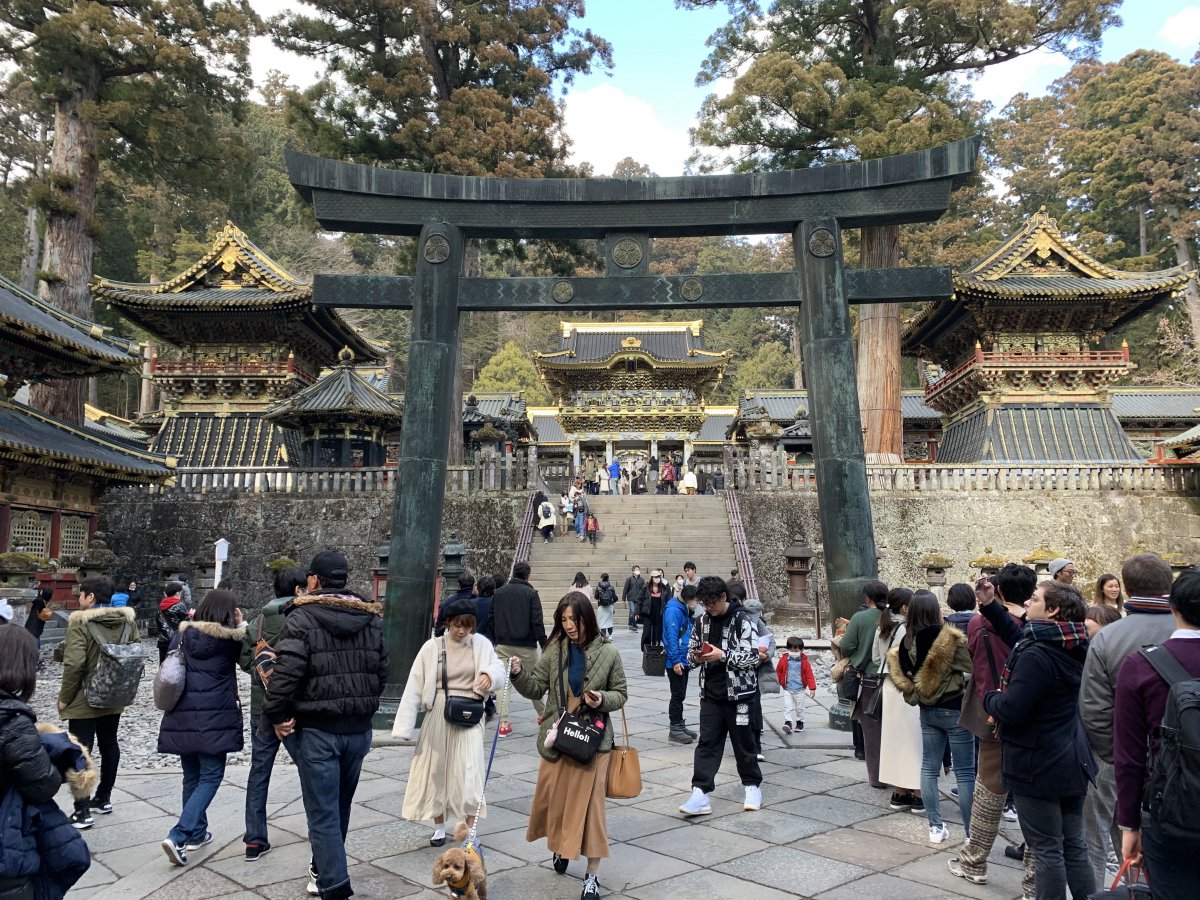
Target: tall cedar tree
438	86
134	82
823	81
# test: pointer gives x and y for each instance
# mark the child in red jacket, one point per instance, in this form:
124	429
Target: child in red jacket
795	677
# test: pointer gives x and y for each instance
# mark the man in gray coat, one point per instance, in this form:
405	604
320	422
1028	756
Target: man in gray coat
1148	620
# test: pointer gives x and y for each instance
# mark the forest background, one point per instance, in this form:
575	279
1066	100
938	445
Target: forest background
131	130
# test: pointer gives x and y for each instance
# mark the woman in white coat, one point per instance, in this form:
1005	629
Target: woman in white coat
445	780
900	766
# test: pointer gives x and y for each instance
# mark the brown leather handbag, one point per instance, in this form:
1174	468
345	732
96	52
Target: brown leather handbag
624	769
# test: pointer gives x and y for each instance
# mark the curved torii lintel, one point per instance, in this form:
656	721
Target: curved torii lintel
912	187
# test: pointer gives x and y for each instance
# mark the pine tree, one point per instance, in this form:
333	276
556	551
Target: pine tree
511	369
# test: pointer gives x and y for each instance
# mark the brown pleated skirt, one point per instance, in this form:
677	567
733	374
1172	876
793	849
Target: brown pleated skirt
568	807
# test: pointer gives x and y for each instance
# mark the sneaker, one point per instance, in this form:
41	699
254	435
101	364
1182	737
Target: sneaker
753	798
954	791
692	734
697	804
505	729
312	883
254	851
900	801
918	806
679	736
760	757
938	834
559	863
799	726
955	866
591	888
196	845
175	852
1010	813
104	807
82	819
1015	851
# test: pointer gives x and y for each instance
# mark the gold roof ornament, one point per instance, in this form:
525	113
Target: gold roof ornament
630	342
989	559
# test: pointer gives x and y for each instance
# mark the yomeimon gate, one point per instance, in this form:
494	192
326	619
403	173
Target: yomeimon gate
445	211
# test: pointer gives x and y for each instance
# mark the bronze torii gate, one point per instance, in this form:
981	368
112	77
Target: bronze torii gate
444	211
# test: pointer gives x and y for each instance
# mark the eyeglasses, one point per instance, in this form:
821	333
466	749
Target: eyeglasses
711	601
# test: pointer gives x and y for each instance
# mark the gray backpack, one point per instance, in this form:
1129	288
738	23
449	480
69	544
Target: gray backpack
118	670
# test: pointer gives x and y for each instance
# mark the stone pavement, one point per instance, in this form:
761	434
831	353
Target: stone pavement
822	833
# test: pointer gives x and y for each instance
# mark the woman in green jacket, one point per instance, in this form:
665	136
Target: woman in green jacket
568	803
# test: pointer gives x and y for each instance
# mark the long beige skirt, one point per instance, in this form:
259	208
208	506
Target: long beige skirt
445	779
568	807
900	745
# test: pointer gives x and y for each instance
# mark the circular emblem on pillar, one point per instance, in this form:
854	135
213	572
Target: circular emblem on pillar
437	249
822	242
627	253
691	290
562	292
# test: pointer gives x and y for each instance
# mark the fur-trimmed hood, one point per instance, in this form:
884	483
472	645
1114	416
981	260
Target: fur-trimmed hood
943	672
346	600
215	630
96	612
340	612
83	783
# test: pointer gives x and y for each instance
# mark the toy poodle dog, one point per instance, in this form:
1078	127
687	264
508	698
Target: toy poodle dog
461	868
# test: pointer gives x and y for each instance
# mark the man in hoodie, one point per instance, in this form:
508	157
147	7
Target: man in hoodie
80	657
290	582
1148	620
723	646
677	632
172	612
331	666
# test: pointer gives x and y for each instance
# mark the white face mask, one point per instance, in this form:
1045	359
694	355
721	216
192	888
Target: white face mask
636	573
679	581
657	580
795	654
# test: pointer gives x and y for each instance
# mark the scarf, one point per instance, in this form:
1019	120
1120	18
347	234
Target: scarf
1152	605
575	662
1067	635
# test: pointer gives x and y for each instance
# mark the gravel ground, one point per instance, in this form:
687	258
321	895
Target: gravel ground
139	722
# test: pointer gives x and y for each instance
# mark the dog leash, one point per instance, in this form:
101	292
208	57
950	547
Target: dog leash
472	834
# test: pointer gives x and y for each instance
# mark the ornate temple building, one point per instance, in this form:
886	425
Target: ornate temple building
245	337
631	388
52	472
1014	372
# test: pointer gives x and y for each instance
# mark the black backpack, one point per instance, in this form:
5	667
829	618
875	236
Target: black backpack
605	595
546	510
1173	787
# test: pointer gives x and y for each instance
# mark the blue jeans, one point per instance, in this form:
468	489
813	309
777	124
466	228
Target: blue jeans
579	524
329	766
1053	830
939	727
1173	864
202	774
263	748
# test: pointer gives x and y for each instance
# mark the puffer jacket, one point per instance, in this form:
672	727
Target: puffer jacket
208	717
172	612
677	632
268	627
516	616
81	655
739	641
331	664
24	764
602	671
940	678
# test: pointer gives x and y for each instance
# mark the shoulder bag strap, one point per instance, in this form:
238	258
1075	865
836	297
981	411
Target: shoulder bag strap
97	634
987	643
445	680
562	693
1166	665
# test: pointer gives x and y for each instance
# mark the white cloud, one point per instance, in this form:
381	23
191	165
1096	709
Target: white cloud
1030	74
1182	29
606	125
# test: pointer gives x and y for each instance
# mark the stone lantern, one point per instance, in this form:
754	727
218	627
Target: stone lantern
18	582
935	566
379	571
205	568
96	560
988	563
1041	558
799	564
452	567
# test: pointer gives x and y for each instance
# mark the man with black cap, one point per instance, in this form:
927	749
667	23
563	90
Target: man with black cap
330	668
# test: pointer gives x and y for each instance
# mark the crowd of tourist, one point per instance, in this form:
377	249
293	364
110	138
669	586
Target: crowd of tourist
1075	717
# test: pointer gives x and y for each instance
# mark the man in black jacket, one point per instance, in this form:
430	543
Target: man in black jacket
330	669
632	593
517	629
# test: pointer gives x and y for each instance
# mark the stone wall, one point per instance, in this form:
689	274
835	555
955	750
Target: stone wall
1097	530
145	529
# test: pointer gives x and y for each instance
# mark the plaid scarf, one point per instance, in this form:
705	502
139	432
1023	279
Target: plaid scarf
1067	635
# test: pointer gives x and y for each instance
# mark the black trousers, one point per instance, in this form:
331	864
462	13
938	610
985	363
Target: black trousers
651	630
104	731
756	721
718	720
860	744
679	685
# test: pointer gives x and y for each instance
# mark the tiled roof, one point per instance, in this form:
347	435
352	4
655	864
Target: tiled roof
782	405
51	441
913	408
548	429
1037	434
30	323
499	405
1131	404
236	440
1082	287
342	391
715	427
590	342
1190	438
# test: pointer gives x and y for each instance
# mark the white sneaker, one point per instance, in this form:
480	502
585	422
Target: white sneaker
312	883
938	834
753	797
1010	813
697	804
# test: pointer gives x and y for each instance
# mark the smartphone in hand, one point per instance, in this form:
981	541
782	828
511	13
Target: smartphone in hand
706	648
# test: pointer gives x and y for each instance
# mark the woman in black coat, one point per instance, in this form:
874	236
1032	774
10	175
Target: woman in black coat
206	723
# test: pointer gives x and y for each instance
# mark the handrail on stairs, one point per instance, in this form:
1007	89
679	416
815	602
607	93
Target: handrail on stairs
740	548
524	535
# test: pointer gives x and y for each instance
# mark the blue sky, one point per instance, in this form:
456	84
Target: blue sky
644	106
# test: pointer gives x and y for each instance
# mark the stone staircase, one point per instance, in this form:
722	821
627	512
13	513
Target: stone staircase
647	529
